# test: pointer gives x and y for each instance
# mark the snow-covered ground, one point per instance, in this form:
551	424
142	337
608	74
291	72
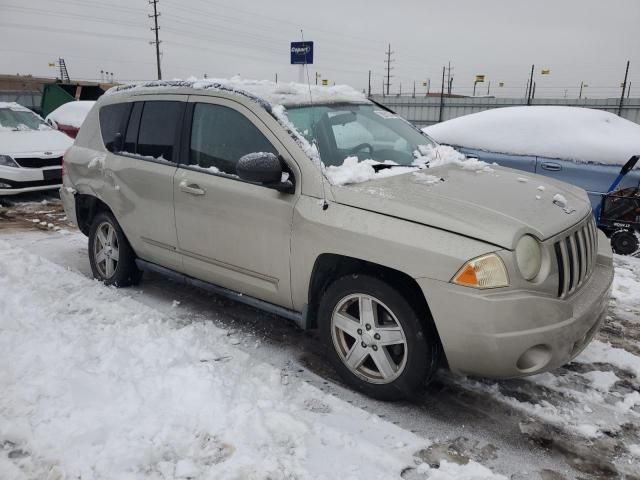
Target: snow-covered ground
95	384
163	381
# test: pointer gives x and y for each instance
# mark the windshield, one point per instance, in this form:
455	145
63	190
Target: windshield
11	119
365	131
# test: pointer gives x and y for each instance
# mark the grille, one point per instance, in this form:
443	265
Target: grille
39	162
576	255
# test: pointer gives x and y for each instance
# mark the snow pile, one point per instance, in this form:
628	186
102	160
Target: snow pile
265	90
71	114
571	133
97	385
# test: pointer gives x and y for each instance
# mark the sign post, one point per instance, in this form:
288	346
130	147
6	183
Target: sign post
301	55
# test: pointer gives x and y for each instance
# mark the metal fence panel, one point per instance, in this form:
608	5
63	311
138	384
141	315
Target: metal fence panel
423	111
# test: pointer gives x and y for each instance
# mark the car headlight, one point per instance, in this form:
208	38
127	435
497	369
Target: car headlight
487	271
529	257
7	161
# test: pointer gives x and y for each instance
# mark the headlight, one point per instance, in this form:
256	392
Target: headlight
487	271
7	161
528	257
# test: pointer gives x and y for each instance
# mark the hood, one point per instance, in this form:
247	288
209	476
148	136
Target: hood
33	142
496	206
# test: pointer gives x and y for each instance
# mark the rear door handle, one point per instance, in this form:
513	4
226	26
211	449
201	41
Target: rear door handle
191	189
551	166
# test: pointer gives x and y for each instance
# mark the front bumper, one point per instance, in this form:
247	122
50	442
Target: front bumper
15	180
494	333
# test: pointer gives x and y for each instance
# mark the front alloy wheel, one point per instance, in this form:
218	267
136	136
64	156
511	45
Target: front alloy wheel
369	339
378	340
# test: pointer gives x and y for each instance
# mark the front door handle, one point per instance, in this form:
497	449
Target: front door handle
191	188
551	166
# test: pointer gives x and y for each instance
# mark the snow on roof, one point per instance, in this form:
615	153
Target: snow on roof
262	91
571	133
71	113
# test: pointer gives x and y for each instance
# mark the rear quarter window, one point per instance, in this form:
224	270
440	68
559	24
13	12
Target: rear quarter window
113	122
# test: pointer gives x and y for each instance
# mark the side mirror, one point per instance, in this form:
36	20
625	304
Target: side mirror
264	168
629	165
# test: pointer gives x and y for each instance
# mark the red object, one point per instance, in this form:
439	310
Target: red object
69	130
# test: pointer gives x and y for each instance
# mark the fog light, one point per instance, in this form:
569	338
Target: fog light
534	359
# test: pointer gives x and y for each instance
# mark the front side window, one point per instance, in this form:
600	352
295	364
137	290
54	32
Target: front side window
220	136
365	131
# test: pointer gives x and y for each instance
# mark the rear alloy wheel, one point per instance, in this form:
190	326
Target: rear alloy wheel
378	343
624	242
112	258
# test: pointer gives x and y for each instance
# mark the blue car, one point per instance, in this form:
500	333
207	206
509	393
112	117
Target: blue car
581	146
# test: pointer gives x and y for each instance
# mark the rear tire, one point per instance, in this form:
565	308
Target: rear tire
376	340
112	259
624	242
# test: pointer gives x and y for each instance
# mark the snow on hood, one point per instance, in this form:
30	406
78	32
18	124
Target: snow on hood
286	94
34	142
570	133
71	114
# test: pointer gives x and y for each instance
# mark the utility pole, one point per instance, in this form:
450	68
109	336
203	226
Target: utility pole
581	85
369	83
450	88
449	78
533	92
624	87
276	78
530	86
489	87
155	28
441	96
629	90
389	68
414	89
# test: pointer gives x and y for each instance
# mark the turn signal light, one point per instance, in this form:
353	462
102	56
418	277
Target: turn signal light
487	271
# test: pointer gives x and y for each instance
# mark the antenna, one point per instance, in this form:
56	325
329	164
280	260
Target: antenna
325	205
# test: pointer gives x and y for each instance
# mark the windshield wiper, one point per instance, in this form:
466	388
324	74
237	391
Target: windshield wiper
381	166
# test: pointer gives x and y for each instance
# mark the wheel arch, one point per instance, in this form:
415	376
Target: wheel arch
329	267
87	207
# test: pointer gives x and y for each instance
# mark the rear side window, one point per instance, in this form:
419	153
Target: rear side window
221	135
158	132
113	122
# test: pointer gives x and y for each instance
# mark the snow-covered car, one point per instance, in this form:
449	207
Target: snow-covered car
30	151
322	207
69	116
581	146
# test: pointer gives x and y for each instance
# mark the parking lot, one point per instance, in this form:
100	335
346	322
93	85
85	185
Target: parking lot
579	421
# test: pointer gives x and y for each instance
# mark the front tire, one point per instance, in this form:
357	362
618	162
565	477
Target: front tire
376	340
111	257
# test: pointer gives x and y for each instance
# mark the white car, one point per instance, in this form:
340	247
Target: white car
30	151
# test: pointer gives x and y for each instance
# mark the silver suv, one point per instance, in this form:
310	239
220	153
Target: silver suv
329	210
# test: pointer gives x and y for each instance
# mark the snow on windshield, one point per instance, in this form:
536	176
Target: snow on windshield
570	133
71	114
